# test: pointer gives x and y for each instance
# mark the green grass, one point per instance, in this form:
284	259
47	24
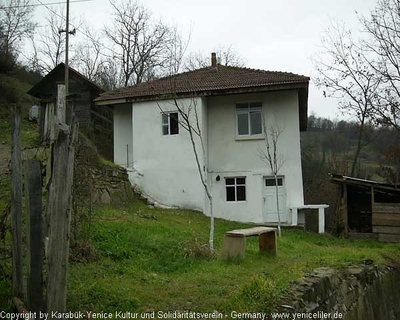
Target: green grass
154	259
147	262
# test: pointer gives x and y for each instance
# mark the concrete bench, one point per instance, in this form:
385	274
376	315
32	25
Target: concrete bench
321	214
234	243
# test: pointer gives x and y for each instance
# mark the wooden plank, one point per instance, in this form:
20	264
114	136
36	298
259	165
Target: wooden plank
61	103
58	217
385	222
100	116
386	208
16	202
33	196
386	219
381	215
389	237
386	230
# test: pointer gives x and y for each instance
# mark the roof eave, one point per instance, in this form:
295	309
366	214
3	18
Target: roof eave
211	92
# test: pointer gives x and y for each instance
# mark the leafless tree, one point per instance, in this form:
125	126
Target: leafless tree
226	56
271	156
176	51
189	119
89	57
383	28
16	23
344	73
108	74
140	43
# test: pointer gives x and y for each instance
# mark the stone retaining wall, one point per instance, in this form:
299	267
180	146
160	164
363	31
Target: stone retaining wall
365	292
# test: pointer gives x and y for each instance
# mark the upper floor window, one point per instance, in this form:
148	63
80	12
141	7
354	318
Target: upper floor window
170	123
248	118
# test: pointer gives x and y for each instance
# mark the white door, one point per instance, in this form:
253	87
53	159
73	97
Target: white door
269	199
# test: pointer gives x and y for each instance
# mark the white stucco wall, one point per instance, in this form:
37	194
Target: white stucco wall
229	156
123	135
164	165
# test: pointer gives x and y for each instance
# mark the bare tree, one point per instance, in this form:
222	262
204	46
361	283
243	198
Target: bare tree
344	73
108	74
383	28
189	119
140	43
89	57
176	51
226	56
271	156
16	23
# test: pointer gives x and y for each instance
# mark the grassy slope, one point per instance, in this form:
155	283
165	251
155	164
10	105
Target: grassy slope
145	264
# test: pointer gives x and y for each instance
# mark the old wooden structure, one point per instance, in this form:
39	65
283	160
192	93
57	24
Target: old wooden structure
95	121
369	208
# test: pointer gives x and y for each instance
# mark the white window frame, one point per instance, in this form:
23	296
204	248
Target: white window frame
248	112
167	115
235	185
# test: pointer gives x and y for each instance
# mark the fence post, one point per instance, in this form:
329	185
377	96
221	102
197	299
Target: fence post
58	217
33	197
16	202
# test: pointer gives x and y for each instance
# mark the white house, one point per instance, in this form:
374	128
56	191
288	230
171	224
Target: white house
232	104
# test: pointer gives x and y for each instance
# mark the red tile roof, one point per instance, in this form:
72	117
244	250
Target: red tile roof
209	80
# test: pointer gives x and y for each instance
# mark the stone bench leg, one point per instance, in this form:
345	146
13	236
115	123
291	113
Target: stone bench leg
233	247
268	242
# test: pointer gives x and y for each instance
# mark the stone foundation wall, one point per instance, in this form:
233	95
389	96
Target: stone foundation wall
364	292
110	185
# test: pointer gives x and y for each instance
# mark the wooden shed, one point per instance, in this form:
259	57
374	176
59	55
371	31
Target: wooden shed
369	208
95	121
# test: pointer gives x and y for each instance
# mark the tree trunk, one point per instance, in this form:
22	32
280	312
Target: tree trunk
277	205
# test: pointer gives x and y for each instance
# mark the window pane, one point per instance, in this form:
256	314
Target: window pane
242	106
255	105
269	182
243	123
241	193
230	181
164	118
230	193
255	122
173	123
165	130
240	180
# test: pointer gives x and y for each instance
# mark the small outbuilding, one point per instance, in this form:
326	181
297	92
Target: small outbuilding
95	121
368	208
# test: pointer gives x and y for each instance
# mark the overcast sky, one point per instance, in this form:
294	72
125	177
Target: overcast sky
277	35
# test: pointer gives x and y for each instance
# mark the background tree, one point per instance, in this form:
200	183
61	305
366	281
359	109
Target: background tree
89	58
383	42
15	25
226	56
140	44
271	156
345	74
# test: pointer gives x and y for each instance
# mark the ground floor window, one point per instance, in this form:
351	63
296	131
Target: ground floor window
235	189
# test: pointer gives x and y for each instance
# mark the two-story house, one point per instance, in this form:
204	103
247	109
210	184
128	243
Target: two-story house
233	106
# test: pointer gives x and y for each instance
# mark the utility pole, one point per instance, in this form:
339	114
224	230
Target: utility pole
67	33
66	54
